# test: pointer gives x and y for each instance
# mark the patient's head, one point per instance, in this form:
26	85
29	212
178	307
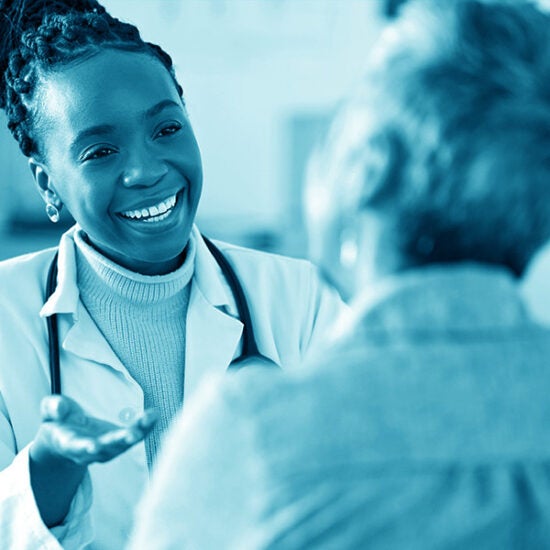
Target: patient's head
442	154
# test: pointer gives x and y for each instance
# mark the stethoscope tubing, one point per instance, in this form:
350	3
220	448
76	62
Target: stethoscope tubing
249	347
53	333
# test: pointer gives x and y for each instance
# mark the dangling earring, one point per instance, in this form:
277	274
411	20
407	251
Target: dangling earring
53	205
52	212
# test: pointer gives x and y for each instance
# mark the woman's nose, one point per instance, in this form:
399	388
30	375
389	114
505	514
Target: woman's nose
143	170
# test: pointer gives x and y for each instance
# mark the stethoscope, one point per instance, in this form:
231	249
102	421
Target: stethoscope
250	354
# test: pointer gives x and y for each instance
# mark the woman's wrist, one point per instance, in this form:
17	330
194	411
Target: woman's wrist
54	481
41	454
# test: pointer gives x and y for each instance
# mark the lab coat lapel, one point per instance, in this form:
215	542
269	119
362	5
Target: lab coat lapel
85	340
78	333
213	331
212	340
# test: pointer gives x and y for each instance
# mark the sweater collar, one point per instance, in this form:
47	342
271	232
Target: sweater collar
206	276
98	275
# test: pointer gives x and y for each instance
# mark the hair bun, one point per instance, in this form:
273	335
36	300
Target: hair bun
19	16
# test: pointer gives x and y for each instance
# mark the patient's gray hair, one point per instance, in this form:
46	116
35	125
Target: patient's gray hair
455	106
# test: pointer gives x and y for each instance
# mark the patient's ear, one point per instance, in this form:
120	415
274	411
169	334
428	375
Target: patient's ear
383	161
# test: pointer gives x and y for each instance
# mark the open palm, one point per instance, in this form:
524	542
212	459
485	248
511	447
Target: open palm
69	432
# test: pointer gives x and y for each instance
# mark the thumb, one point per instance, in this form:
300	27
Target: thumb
55	408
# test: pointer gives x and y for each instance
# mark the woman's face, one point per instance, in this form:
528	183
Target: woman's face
120	153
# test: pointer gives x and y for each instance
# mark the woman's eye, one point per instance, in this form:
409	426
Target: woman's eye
169	130
99	153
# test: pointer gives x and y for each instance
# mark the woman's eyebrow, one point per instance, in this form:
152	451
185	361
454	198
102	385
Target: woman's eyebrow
160	106
99	130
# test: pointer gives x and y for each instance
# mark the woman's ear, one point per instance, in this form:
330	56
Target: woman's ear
40	175
46	189
44	183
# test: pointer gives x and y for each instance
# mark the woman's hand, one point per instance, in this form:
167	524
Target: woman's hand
67	441
69	433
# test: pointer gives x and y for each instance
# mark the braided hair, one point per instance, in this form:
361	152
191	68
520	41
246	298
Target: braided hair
37	36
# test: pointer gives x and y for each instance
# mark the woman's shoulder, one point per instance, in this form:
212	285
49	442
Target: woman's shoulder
26	263
261	259
24	276
276	274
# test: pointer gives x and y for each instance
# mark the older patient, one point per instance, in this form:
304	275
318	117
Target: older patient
143	306
426	425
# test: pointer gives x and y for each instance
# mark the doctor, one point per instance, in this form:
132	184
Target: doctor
143	309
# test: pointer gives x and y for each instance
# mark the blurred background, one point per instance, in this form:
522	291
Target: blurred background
260	78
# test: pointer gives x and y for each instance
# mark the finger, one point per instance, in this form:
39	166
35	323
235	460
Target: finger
146	421
122	438
54	408
126	437
87	447
141	427
58	408
88	451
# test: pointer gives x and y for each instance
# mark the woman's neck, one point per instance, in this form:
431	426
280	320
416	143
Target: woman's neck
139	266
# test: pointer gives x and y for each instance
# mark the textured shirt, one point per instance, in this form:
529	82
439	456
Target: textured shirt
144	320
423	426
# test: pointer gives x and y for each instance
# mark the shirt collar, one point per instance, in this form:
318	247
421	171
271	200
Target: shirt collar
207	276
463	297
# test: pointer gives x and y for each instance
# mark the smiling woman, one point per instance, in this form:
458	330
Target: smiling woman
142	309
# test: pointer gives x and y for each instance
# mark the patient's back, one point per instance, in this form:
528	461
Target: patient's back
425	427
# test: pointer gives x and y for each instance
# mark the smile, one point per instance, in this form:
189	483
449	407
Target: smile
152	214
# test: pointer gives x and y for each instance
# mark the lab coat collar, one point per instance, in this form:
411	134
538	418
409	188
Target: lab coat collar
207	276
213	328
65	297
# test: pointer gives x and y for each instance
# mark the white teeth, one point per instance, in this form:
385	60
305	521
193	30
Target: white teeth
158	218
158	211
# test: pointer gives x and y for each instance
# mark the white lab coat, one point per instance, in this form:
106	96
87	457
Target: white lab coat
291	310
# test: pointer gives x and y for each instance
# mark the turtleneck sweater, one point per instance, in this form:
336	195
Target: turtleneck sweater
143	318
